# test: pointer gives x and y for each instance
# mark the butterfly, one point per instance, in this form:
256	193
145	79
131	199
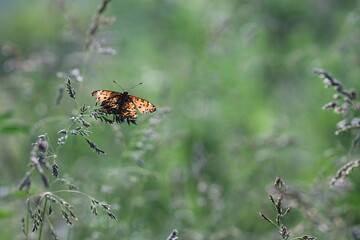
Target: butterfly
122	104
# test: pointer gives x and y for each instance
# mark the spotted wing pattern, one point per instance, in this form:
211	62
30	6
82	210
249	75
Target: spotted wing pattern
122	104
127	109
144	106
103	95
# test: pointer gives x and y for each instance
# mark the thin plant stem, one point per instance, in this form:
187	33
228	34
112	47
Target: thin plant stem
27	219
73	191
43	214
50	224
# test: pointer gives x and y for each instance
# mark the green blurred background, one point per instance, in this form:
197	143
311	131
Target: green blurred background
244	106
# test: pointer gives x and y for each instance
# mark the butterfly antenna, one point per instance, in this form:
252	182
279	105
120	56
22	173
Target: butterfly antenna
119	85
135	86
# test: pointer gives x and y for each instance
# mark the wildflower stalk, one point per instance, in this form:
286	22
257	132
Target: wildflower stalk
44	151
281	190
96	23
43	215
346	103
27	219
41	153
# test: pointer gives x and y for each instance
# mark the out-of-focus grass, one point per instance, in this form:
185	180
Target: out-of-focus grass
245	108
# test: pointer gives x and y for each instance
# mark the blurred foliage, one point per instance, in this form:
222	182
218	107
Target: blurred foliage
237	104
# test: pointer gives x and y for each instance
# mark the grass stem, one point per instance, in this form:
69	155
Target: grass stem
42	217
27	219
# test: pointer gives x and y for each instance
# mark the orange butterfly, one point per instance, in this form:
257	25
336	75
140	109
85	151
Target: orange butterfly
122	104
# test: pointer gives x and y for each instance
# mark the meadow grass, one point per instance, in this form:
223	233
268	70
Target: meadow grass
237	105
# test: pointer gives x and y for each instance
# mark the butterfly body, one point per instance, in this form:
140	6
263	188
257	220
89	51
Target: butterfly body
122	104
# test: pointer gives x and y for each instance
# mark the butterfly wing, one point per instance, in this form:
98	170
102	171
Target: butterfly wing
116	103
144	106
122	103
129	110
103	95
